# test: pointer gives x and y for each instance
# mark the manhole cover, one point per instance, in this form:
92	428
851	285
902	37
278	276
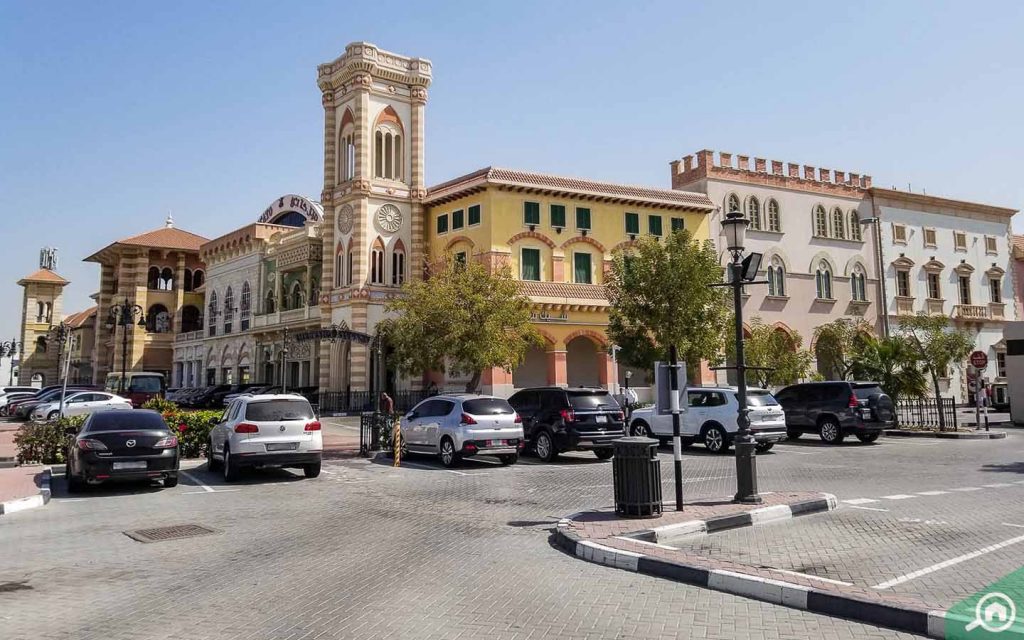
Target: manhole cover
175	532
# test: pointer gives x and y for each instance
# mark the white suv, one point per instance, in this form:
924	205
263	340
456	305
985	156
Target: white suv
457	426
710	417
266	431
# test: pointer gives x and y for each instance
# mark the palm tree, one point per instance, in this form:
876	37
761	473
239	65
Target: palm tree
893	364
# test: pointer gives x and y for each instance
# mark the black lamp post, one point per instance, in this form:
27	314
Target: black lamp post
62	332
10	349
124	315
742	271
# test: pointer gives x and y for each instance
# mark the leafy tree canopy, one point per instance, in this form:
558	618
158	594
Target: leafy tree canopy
838	344
770	348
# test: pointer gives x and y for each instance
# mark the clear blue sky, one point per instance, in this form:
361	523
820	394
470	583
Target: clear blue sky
114	113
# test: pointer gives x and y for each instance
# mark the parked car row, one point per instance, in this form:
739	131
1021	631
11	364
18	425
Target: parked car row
217	396
21	408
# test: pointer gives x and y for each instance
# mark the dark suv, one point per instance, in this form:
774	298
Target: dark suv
834	410
576	419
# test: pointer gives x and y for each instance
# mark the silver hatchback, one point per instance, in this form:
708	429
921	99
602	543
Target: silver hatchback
457	426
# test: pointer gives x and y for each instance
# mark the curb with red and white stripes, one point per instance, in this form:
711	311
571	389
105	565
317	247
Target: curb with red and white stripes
31	502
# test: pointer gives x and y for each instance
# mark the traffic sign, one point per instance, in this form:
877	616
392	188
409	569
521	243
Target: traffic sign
979	359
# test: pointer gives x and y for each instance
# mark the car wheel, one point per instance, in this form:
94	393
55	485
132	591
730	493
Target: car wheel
171	481
50	417
715	439
231	470
793	434
212	464
641	429
545	447
449	457
508	459
604	454
830	431
311	470
762	447
867	437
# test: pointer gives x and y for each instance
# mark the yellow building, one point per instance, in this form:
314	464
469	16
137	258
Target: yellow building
558	234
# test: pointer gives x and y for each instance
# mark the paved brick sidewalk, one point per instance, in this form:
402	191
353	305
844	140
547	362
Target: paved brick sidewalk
7	449
20	482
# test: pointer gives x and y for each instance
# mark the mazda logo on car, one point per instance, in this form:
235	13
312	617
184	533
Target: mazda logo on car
130	443
281	427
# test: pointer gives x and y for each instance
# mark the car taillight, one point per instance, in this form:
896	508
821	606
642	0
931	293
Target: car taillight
853	402
245	427
87	444
469	446
313	426
620	416
467	419
568	415
166	443
518	419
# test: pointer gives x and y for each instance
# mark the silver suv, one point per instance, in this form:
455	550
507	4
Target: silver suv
460	425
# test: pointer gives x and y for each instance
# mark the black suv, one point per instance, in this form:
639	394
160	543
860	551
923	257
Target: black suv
556	419
834	410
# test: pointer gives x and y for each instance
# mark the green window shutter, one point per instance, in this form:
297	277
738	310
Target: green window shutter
458	219
654	225
474	215
678	224
632	223
530	267
581	264
582	218
558	215
531	213
442	223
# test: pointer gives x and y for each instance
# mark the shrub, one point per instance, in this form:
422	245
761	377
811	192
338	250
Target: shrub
161	405
45	443
193	429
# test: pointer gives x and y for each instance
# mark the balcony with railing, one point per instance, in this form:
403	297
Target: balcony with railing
261	320
904	306
971	312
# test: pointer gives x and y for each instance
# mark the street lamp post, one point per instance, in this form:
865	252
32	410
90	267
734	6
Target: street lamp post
742	271
124	315
284	361
10	349
876	223
63	334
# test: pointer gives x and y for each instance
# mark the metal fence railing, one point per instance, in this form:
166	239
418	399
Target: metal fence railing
924	412
353	402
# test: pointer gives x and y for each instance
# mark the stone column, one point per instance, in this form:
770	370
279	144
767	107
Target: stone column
418	189
558	371
179	293
605	369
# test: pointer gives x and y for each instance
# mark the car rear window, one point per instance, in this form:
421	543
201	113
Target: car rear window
487	407
864	392
125	420
284	409
145	384
592	400
761	399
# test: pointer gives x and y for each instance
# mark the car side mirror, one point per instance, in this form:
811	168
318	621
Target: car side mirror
214	421
411	415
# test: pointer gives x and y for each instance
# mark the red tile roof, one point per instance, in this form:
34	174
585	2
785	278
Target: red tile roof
568	186
76	320
44	275
166	238
563	290
1018	242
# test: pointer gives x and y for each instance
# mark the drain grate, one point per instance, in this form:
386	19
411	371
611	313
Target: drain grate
174	532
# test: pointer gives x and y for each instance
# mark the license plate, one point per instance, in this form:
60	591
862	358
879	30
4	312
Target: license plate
495	443
129	466
602	418
282	446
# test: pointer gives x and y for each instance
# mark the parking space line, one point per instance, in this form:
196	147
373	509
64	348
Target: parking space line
860	501
199	482
932	493
868	508
204	493
999	485
947	563
898	496
966	489
1008	524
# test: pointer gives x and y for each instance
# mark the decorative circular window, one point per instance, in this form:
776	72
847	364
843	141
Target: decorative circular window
345	219
389	218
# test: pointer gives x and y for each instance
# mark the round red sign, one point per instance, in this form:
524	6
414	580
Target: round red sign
979	359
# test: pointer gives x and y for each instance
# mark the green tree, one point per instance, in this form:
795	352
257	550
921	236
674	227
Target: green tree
464	319
778	355
660	296
837	345
894	363
937	346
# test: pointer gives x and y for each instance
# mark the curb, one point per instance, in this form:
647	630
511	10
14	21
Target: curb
949	435
31	502
894	616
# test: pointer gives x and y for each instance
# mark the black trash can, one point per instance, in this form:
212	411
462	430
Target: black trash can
637	478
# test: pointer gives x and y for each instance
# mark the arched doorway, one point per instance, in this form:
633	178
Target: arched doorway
533	371
582	363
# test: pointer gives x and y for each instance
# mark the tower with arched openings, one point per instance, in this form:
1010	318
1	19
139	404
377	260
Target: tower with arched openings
42	309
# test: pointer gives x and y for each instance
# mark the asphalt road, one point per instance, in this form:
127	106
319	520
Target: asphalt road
368	551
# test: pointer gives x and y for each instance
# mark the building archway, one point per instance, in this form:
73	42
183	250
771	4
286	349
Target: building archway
582	362
533	370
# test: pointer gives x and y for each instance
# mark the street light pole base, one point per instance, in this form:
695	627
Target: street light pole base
746	474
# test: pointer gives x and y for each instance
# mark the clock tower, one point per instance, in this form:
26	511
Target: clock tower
373	195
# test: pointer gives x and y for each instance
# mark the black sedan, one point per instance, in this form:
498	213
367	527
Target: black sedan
122	445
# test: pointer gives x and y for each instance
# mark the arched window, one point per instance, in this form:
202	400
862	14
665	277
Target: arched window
858	290
732	203
774	216
158	319
820	222
754	213
153	278
855	232
388	143
838	224
823	281
229	309
41	344
776	278
339	267
246	306
269	304
347	148
40	312
190	320
167	279
198	278
377	263
211	315
296	295
398	265
188	280
314	287
48	312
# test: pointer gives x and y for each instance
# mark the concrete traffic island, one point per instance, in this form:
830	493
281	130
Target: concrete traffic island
645	545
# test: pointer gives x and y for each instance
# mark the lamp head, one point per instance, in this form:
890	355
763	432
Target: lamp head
735	227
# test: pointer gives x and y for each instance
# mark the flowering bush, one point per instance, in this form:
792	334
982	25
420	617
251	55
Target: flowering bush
45	443
191	427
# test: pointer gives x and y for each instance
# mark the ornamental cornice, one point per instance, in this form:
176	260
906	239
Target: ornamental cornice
365	59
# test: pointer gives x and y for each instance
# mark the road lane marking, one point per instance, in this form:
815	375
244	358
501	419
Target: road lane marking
967	489
204	493
869	508
947	563
998	485
860	501
932	493
799	453
813	577
1018	526
199	482
898	496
